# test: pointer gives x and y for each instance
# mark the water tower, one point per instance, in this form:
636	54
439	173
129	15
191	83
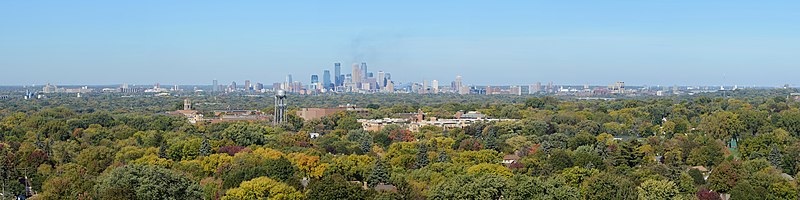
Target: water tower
280	108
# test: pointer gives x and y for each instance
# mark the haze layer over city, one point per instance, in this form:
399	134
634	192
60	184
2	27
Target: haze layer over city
685	43
405	100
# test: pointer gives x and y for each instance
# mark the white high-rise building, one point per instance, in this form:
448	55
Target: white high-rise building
364	71
424	89
535	88
457	86
357	74
381	79
435	86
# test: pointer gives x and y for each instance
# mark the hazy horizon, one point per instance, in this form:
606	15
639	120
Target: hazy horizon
193	42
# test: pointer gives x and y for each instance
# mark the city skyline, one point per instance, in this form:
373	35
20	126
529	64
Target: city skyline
359	67
644	43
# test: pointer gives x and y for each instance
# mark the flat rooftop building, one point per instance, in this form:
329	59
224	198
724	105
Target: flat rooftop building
316	113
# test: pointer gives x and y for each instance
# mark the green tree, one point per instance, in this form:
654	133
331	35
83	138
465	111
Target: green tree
205	148
722	125
246	134
657	190
608	186
575	176
96	158
379	174
348	123
522	187
365	146
685	184
743	190
560	159
775	157
248	166
351	167
709	154
443	157
72	182
470	187
723	178
697	176
162	151
263	188
789	120
489	168
586	157
422	156
146	182
335	187
280	169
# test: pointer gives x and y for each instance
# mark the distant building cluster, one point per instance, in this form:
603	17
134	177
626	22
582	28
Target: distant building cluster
194	116
416	122
360	80
794	96
316	113
383	83
55	89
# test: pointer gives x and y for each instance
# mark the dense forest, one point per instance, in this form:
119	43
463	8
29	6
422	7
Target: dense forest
742	145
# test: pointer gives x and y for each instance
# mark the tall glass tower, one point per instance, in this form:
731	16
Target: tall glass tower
326	79
337	69
215	86
364	71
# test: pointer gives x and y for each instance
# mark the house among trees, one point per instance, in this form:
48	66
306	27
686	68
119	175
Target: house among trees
702	170
510	159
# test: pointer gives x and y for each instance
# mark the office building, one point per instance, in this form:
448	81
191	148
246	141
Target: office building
314	79
339	78
618	88
457	84
434	86
247	85
381	79
389	86
535	88
424	89
357	75
326	80
214	87
364	71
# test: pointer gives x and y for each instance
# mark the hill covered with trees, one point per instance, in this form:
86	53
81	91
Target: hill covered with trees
689	147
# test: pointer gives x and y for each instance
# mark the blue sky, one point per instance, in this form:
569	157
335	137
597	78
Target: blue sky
684	42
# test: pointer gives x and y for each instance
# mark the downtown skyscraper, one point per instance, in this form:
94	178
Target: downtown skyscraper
339	78
215	86
326	80
357	74
364	71
381	79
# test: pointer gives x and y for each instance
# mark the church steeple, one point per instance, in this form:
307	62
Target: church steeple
187	105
